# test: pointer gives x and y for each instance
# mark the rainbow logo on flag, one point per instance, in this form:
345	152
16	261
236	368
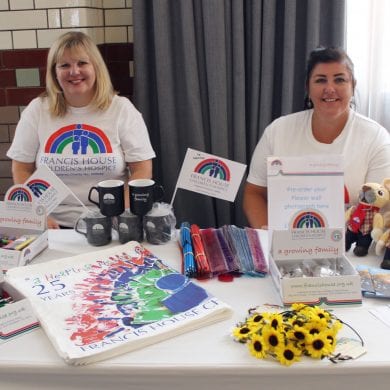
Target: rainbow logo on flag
38	186
80	138
213	168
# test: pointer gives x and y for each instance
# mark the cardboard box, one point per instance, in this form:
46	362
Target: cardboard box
317	247
16	318
18	219
306	231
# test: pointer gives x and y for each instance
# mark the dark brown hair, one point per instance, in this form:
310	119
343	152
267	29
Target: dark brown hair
323	55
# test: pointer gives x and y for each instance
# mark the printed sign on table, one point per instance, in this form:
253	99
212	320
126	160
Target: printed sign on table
18	197
210	175
16	319
305	192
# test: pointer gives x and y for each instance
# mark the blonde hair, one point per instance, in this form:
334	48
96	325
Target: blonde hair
74	41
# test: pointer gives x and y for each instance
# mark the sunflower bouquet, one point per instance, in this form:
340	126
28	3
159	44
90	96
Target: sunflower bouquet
302	331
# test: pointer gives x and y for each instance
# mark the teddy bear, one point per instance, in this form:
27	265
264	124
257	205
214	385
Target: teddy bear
360	218
381	235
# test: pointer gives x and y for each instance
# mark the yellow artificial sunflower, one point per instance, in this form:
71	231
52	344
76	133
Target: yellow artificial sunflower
304	330
298	306
298	334
330	334
275	320
256	320
272	337
241	333
314	326
257	347
320	314
298	319
288	354
318	345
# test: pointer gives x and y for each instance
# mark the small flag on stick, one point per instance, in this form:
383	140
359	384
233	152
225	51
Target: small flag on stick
48	189
210	175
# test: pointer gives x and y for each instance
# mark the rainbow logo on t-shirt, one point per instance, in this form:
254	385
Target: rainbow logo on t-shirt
213	168
19	194
81	138
308	220
38	186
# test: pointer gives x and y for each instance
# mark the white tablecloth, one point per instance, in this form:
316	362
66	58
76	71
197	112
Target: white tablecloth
203	359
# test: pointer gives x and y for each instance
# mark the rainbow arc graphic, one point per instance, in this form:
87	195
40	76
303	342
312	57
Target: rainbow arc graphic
81	138
308	219
38	186
214	168
19	194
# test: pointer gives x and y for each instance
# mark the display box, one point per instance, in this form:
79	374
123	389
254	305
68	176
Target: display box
18	219
16	318
309	266
306	231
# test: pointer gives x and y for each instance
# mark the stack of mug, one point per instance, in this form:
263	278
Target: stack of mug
129	223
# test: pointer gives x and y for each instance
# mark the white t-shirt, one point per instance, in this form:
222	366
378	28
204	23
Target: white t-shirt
83	147
364	144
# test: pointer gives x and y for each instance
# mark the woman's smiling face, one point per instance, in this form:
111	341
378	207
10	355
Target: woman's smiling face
76	76
331	89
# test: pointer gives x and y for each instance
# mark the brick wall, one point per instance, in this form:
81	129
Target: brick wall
27	29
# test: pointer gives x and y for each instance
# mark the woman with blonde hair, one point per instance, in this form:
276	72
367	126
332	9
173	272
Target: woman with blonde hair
80	128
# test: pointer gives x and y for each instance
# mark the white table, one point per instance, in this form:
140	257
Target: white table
203	359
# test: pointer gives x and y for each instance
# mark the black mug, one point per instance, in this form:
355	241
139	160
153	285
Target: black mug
97	228
158	228
111	197
143	193
129	227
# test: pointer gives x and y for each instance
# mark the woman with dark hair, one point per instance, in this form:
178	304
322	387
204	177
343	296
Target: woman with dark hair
328	126
80	128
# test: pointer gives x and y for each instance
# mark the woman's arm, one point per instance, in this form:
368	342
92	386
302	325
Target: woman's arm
21	171
255	205
140	169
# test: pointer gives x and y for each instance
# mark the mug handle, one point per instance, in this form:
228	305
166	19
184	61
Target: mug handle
76	227
158	193
90	193
115	223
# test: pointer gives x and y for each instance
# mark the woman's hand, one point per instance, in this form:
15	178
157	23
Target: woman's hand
52	223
